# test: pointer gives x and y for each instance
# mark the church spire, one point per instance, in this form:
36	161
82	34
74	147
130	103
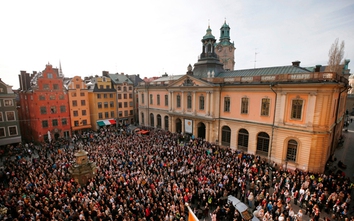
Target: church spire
60	70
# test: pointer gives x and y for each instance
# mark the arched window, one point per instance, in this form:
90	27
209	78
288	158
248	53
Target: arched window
189	102
201	102
262	143
142	119
243	139
158	121
178	100
225	136
292	150
166	122
152	123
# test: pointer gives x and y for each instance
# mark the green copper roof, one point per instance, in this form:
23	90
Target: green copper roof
208	34
118	78
225	26
265	71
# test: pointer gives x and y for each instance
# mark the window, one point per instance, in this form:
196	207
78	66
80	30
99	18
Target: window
43	110
189	102
1	117
2	132
105	104
46	86
119	88
262	143
142	98
75	113
111	104
76	123
53	110
225	136
8	103
108	87
84	122
126	113
41	97
83	103
77	86
120	105
265	107
131	112
62	109
101	86
10	115
83	112
131	104
52	97
158	99
99	104
61	97
244	105
226	104
104	95
243	139
98	96
106	114
125	96
166	100
130	96
73	94
120	114
49	75
112	114
55	122
119	96
178	100
82	94
124	88
64	121
55	86
296	109
130	88
100	115
142	118
74	103
292	150
151	101
110	95
44	123
125	104
201	102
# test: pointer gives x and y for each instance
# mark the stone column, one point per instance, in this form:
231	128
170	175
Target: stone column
282	104
194	105
207	102
170	101
182	102
311	108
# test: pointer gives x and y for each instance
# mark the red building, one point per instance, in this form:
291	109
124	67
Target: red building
44	112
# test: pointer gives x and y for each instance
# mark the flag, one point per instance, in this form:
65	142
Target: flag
191	215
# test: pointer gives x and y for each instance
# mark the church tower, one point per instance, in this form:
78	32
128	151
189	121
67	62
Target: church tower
208	64
225	49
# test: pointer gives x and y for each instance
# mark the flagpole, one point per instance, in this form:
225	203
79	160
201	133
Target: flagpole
191	215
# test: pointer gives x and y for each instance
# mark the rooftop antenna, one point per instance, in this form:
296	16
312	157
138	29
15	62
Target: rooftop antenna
255	57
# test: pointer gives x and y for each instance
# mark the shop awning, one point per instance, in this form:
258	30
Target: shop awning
102	123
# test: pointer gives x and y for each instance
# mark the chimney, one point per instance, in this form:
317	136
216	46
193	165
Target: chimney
122	73
296	63
318	68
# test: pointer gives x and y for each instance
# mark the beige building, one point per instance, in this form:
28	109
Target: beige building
291	115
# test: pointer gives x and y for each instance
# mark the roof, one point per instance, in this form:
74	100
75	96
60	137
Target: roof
265	71
208	34
119	78
168	78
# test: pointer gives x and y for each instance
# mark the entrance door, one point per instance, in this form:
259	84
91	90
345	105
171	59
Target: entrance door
201	130
178	125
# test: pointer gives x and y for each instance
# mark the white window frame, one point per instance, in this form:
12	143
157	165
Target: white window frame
11	100
8	129
13	113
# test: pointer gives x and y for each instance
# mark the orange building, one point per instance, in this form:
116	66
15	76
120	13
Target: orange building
44	107
291	115
79	104
102	102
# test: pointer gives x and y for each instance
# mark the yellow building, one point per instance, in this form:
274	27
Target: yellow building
291	115
102	99
78	104
124	92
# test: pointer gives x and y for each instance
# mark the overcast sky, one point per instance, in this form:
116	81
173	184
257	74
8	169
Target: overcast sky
151	37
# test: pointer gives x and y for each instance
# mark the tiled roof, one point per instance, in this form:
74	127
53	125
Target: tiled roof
265	71
119	78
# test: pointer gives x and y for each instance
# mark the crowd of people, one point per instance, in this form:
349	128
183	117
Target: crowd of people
153	176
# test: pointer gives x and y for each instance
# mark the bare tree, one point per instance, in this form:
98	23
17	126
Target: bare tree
336	54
